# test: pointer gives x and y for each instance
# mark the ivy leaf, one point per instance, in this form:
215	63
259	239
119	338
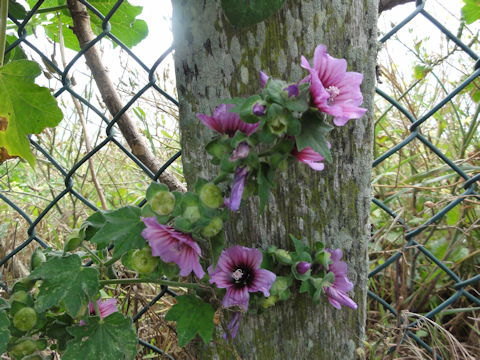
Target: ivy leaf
471	11
123	228
313	134
64	279
25	108
112	338
192	316
4	333
244	13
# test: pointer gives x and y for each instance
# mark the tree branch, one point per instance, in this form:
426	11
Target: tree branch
390	4
83	31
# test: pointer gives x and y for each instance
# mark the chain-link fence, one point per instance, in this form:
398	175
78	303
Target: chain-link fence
458	287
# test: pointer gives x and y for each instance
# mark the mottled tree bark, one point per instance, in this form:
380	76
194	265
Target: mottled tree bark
215	61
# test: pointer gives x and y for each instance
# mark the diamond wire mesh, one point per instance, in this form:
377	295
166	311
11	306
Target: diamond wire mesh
459	289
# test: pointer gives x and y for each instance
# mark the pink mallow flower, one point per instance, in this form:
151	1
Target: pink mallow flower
238	270
173	246
225	122
106	307
310	157
334	90
337	293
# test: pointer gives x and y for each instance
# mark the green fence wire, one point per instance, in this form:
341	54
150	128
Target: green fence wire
460	288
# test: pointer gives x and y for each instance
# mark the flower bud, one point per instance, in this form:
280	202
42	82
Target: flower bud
302	267
292	90
192	213
241	152
283	257
163	202
211	196
259	109
213	228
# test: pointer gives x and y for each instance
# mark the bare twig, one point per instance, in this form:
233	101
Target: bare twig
83	31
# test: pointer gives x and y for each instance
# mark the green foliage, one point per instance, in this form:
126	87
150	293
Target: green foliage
65	280
25	107
192	316
313	134
4	333
125	25
471	11
112	338
123	228
244	13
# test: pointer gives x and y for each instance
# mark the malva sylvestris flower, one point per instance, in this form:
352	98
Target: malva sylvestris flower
173	246
337	293
334	90
106	307
310	157
238	270
225	122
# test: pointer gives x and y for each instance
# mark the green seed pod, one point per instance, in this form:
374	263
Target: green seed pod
25	319
211	196
37	258
192	213
143	261
283	257
213	228
26	347
163	203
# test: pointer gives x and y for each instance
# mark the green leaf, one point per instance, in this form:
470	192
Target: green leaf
16	53
4	333
125	25
243	13
112	338
123	228
313	134
420	71
246	111
471	11
192	316
16	10
64	279
25	108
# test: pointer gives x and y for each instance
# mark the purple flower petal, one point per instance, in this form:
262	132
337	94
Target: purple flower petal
237	189
106	308
263	78
241	152
259	109
233	325
225	122
173	246
292	90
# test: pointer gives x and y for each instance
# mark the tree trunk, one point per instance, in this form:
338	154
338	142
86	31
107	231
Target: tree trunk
214	61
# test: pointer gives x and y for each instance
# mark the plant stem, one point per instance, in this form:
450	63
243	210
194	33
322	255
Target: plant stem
159	281
92	254
111	261
51	9
3	28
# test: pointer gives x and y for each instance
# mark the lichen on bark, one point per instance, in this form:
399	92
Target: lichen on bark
215	61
